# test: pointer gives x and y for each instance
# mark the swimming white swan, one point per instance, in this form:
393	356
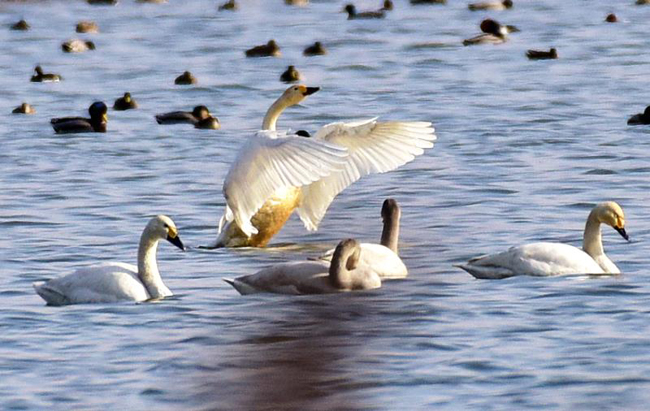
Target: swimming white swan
310	277
382	258
275	173
112	282
546	259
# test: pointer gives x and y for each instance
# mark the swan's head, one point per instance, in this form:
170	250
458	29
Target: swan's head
295	94
348	252
98	111
611	213
201	112
162	227
390	210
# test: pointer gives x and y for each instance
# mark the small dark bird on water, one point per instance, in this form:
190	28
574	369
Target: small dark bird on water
354	15
96	123
315	49
44	77
21	25
125	103
185	79
230	5
494	5
270	49
77	46
542	55
24	109
611	18
640	118
290	75
87	27
184	117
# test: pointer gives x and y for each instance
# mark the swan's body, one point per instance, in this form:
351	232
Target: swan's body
382	258
113	282
343	274
277	173
547	259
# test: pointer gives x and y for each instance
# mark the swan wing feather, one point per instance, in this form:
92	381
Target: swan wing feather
373	147
269	161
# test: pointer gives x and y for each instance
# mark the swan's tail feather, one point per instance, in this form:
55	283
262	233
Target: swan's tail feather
50	295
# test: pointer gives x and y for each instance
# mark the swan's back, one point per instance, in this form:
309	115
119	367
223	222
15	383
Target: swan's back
305	277
536	259
104	283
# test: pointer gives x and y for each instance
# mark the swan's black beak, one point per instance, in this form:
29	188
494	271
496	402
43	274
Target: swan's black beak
303	133
176	241
622	232
311	90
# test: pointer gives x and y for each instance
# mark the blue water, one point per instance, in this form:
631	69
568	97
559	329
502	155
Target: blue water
525	149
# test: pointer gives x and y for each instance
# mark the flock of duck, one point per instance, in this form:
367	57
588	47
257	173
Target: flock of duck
278	172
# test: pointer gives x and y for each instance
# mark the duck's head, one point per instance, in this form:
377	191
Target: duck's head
38	70
350	9
295	94
201	112
272	45
646	112
388	5
507	4
98	111
553	52
611	213
90	45
493	27
127	97
162	227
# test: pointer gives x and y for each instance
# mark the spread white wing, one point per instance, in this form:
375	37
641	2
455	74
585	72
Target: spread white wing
373	147
269	161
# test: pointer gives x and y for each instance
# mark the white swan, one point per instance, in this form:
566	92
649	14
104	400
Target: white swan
382	258
343	274
274	173
546	259
112	282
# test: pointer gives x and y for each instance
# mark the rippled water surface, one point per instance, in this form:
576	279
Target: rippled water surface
525	149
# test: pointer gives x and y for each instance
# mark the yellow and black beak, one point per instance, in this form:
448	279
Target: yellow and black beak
105	118
173	238
622	232
311	90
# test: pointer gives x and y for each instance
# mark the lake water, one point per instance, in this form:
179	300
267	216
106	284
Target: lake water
525	149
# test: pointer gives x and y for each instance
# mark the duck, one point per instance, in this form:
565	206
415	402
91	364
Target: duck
184	117
77	46
290	75
114	281
297	3
230	5
491	5
354	15
343	274
87	27
640	118
642	2
315	49
275	173
493	33
542	55
208	123
44	77
186	78
24	109
21	25
96	123
102	2
550	259
382	258
125	103
270	49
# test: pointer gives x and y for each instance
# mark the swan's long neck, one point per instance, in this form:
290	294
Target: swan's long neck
148	267
272	115
390	233
339	273
592	243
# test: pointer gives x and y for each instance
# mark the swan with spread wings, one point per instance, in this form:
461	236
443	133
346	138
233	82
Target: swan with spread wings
275	173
